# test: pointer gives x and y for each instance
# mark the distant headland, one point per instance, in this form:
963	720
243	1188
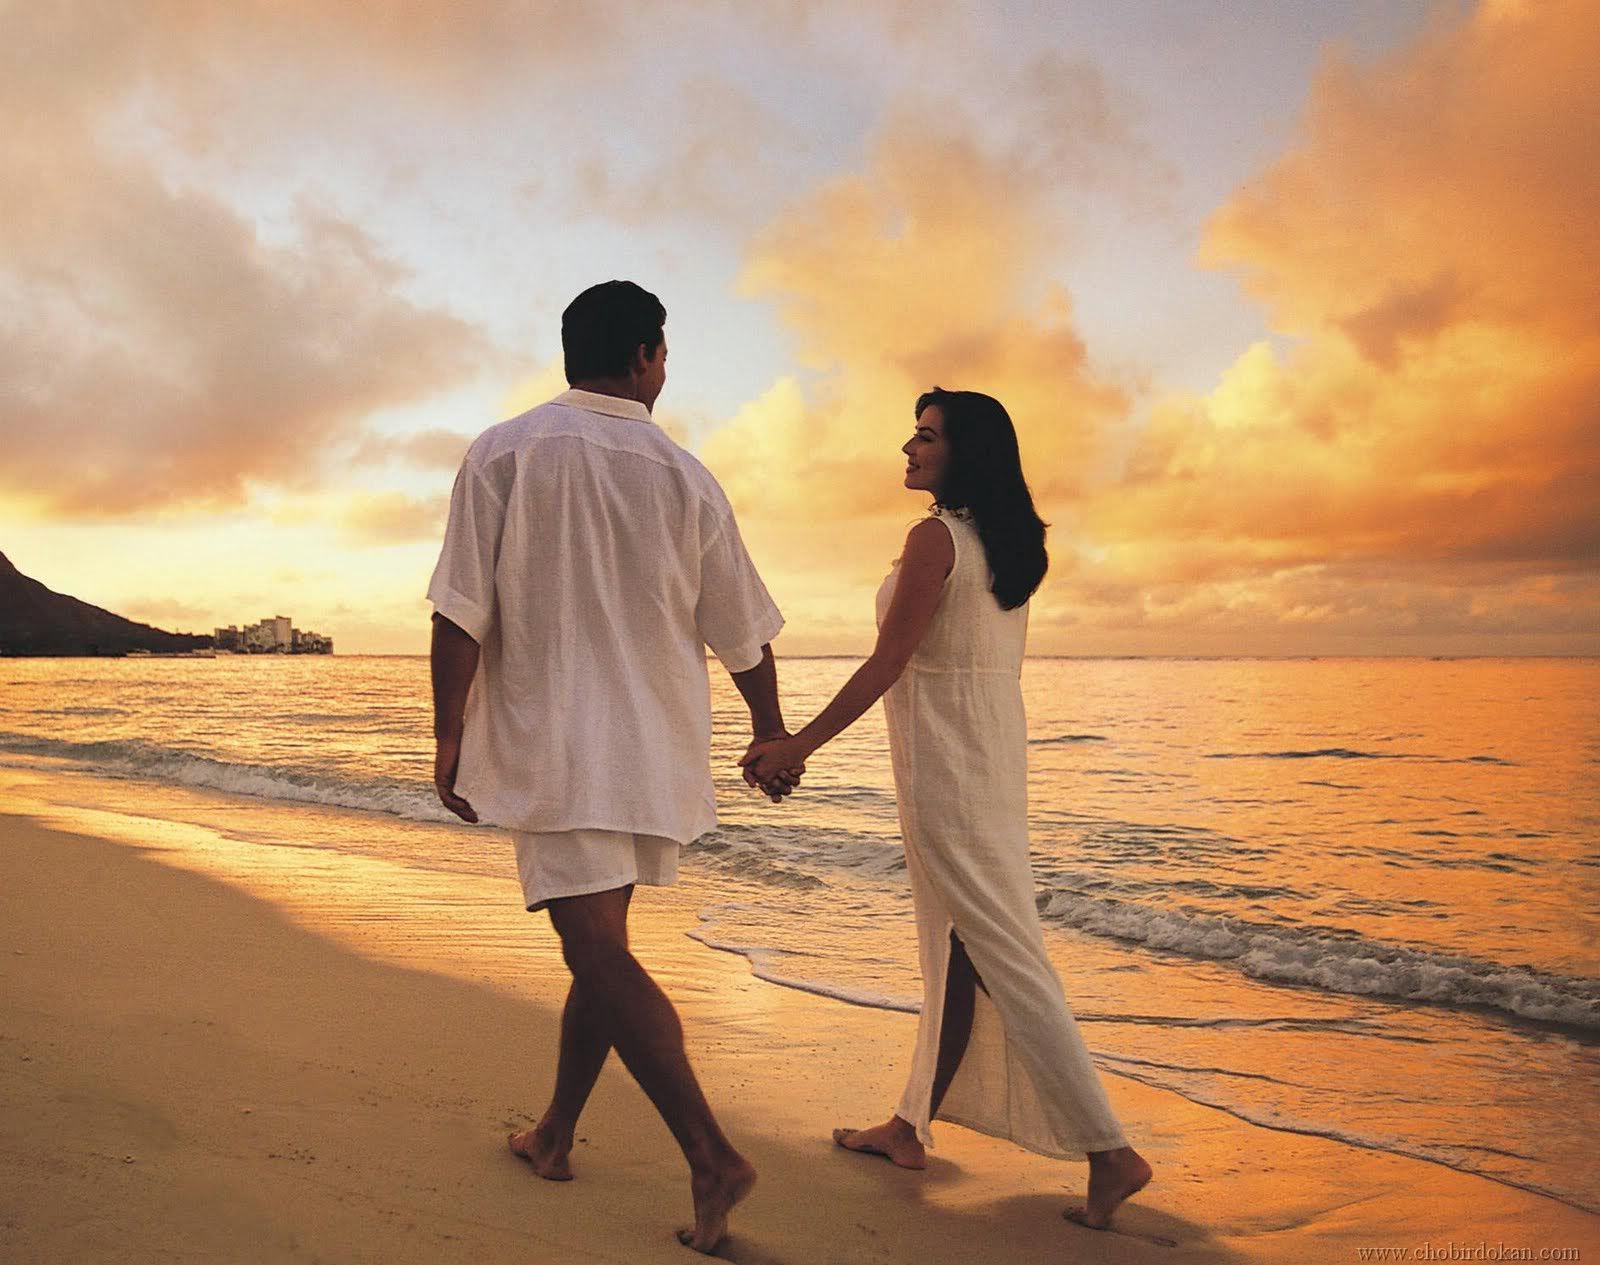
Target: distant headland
37	621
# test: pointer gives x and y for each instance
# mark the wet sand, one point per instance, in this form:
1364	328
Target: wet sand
218	1051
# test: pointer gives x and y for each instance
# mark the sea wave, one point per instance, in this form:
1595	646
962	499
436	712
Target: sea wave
1335	963
414	801
1322	958
810	860
1347	753
806	856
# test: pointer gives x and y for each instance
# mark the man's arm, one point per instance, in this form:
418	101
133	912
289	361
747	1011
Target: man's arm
759	686
454	662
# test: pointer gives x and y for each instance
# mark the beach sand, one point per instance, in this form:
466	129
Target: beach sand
297	1065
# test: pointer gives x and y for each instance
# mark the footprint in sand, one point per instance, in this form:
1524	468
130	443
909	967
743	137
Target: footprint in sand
1075	1215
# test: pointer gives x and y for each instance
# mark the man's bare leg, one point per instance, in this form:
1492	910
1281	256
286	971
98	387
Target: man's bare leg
897	1139
583	1050
648	1038
585	1043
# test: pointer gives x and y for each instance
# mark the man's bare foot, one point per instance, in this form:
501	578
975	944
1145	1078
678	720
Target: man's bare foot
895	1141
545	1151
715	1194
1113	1177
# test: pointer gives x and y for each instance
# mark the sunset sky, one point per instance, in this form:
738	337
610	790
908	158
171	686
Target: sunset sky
1294	304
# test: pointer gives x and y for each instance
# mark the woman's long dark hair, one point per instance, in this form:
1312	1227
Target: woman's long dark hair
983	476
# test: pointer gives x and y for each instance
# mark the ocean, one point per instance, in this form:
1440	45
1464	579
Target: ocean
1347	897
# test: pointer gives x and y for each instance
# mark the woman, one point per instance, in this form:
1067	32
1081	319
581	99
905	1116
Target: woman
997	1048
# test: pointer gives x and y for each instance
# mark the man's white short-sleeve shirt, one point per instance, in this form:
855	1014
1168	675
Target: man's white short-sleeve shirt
593	560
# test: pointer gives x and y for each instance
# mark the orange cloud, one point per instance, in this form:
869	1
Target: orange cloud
721	160
920	269
158	354
194	51
1452	181
171	357
392	518
1418	462
435	449
1435	426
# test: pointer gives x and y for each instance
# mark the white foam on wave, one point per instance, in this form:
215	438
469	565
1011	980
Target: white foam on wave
1334	963
809	852
412	801
763	961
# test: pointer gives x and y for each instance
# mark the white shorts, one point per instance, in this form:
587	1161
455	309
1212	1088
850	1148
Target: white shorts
578	862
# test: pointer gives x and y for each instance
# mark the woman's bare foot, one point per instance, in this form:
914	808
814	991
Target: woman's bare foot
895	1141
1113	1177
545	1150
715	1193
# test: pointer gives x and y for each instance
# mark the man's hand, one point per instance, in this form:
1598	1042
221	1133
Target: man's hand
446	759
453	662
774	764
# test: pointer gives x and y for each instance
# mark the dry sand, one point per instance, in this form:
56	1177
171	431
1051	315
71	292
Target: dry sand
189	1072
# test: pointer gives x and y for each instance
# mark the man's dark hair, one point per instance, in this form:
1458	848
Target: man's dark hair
603	325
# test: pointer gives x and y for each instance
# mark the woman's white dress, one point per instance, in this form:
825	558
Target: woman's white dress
958	741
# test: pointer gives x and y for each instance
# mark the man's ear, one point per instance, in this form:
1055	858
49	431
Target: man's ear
640	361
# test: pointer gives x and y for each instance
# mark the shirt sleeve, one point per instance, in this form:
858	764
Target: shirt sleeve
735	615
462	588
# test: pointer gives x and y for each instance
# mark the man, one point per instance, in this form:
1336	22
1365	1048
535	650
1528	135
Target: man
587	563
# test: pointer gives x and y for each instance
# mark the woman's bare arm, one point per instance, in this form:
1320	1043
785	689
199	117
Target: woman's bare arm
929	556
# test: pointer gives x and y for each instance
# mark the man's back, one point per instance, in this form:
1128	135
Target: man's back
593	559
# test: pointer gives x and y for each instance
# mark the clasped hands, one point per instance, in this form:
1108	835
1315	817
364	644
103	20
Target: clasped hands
774	764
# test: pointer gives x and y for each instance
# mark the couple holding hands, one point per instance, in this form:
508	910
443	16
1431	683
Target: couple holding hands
588	562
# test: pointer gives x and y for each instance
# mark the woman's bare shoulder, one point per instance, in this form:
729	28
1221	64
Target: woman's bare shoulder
930	544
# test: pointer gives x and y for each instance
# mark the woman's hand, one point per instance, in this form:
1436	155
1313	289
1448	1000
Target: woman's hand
775	765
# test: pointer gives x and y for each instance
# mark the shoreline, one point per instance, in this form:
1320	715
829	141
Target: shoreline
318	1003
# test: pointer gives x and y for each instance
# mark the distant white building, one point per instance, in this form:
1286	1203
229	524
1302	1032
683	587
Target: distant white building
307	642
273	635
258	638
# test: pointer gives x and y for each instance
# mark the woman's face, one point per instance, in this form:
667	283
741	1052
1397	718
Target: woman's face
927	451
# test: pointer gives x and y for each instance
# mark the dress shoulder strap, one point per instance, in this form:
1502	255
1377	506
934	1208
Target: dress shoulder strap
963	535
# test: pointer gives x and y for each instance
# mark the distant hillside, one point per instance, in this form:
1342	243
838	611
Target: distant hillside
36	621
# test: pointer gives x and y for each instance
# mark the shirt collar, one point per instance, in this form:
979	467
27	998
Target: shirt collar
609	405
